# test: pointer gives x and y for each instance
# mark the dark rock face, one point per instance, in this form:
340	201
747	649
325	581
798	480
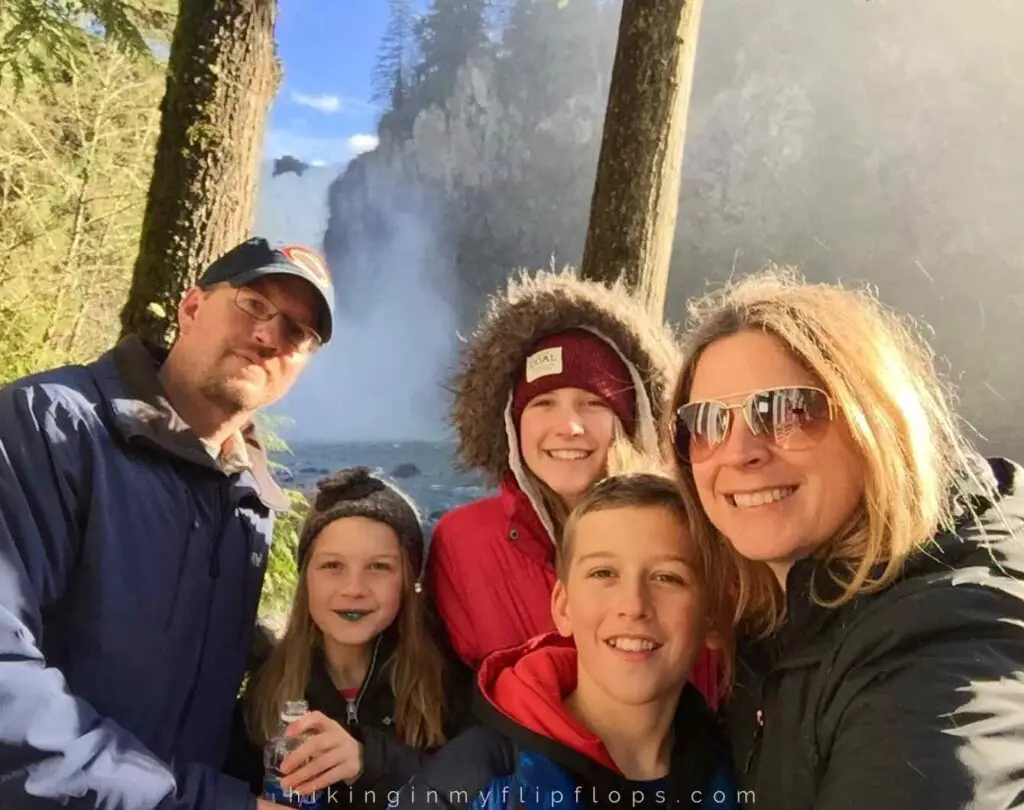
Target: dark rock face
286	164
860	142
309	469
405	470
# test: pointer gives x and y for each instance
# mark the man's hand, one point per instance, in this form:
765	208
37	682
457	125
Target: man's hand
331	755
263	804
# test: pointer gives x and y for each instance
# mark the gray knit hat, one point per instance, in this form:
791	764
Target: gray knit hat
356	492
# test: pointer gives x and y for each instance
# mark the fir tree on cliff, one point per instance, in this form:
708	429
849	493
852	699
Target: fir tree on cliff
636	193
448	34
222	76
393	70
554	51
552	81
393	73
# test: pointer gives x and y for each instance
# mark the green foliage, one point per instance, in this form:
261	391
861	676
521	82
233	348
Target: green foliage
47	40
75	162
279	585
281	577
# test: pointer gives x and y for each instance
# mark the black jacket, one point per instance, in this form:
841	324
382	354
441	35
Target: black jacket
387	762
909	699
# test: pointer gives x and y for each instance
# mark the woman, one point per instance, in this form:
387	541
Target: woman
880	610
360	648
563	383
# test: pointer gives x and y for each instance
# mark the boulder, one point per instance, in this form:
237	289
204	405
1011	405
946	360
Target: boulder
405	470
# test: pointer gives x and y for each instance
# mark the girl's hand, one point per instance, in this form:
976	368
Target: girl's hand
331	755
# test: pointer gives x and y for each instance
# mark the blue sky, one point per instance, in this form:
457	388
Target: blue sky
323	112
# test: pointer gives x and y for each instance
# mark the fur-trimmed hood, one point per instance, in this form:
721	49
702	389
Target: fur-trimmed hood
531	307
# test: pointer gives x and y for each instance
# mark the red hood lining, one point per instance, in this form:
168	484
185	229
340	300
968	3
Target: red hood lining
529	684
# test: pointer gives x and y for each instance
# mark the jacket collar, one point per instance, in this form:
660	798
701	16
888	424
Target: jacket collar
321	692
142	413
323	695
989	516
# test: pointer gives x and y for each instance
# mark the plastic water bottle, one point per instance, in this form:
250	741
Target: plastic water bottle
276	749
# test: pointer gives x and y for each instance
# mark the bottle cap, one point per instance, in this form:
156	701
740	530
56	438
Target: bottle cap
293	710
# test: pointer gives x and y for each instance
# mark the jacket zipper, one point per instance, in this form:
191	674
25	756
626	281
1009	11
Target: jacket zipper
352	714
227	507
225	519
755	746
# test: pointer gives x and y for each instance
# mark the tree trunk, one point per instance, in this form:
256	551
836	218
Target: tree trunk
636	193
221	79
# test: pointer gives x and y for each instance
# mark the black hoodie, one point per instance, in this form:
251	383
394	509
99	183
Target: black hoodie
907	699
387	762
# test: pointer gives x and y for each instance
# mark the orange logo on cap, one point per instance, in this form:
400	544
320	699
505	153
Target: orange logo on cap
309	260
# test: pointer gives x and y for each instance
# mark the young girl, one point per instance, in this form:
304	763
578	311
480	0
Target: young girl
563	383
359	649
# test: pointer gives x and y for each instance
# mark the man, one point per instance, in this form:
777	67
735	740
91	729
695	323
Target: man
136	514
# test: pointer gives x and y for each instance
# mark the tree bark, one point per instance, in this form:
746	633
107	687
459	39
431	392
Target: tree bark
636	193
221	79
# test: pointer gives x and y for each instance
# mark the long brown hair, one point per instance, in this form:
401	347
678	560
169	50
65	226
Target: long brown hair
417	668
882	377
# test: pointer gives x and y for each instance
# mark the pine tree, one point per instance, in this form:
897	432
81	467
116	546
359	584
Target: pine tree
221	79
393	70
552	51
449	33
44	40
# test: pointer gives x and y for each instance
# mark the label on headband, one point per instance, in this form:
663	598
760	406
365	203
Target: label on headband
544	363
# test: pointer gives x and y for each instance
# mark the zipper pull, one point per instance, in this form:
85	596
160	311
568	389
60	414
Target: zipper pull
755	743
351	718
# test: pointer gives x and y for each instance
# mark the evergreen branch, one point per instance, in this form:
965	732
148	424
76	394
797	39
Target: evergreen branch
40	40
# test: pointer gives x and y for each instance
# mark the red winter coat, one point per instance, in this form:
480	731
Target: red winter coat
491	564
491	568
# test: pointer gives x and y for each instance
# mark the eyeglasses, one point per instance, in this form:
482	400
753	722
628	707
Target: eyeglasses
299	336
792	418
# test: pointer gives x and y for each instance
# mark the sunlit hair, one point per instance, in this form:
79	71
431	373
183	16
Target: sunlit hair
417	668
656	490
624	455
882	377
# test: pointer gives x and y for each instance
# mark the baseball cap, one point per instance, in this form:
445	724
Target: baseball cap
255	258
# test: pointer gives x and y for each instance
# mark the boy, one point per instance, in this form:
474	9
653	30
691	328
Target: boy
599	714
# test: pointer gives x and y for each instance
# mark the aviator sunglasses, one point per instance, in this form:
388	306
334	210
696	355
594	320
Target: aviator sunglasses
791	418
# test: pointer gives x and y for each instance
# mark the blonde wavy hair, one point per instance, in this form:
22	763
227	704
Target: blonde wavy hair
881	375
417	669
